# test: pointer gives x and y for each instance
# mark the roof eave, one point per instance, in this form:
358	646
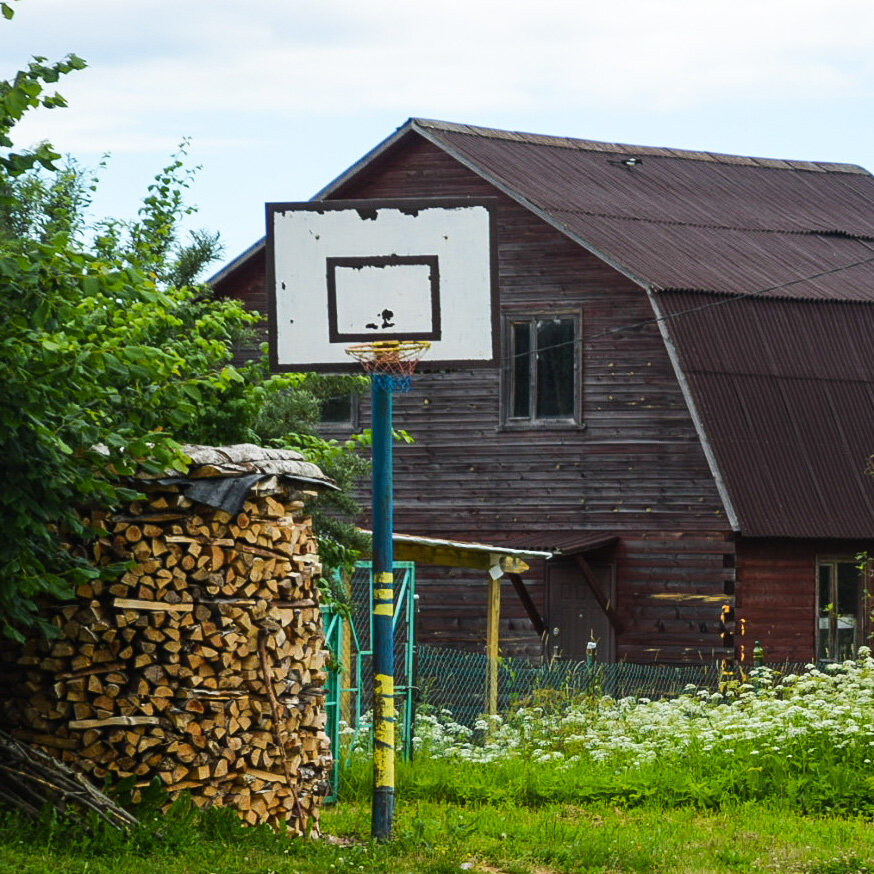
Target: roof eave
363	162
241	259
697	420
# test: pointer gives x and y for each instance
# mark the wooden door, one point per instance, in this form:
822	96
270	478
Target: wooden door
575	616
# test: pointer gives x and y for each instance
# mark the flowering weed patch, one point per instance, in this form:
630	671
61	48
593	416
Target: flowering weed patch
802	740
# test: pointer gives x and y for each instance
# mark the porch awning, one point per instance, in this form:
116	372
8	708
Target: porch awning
461	553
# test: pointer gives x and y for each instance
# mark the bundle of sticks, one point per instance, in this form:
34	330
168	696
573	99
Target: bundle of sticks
203	663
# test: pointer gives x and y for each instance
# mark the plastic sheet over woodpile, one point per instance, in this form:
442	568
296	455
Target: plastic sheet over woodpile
202	665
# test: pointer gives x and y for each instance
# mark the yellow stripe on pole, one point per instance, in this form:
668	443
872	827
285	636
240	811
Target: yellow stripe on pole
384	687
384	731
384	767
387	577
383	602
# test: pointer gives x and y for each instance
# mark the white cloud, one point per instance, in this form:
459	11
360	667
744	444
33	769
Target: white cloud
213	63
294	91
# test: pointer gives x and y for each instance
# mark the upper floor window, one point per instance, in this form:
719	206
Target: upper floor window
542	370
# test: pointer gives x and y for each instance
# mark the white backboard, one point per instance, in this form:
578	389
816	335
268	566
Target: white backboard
348	272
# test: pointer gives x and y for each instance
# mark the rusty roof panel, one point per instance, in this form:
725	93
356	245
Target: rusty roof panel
697	258
786	392
688	220
667	188
440	127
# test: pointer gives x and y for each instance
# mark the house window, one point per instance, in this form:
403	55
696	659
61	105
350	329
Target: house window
841	609
340	410
543	369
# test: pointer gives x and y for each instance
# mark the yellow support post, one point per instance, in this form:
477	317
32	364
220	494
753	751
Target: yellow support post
493	634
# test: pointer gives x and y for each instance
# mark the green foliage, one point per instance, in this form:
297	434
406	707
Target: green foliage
94	352
24	92
289	419
106	342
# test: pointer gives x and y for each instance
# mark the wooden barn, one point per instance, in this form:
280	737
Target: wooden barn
682	404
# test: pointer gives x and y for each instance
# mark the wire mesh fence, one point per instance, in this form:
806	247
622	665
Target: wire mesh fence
360	662
456	681
453	683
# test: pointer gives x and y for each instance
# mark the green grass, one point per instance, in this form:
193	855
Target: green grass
438	838
833	784
778	779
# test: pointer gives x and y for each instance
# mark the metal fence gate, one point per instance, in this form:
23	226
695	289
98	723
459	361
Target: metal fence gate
349	636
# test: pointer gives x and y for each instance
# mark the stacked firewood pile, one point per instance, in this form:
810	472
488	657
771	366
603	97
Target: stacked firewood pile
204	663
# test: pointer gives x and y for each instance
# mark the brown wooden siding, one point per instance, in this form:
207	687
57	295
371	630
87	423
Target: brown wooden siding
776	598
248	282
635	467
637	462
672	588
777	593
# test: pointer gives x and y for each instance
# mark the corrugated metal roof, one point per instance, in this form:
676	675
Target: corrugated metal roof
624	148
786	394
690	220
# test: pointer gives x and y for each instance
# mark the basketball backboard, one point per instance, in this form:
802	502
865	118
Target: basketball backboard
346	272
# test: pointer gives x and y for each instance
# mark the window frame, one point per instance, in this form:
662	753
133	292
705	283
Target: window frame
861	623
343	427
510	318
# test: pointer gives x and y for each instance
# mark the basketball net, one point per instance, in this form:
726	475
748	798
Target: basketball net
390	363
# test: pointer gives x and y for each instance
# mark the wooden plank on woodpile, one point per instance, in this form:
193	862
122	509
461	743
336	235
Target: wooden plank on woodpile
136	604
112	721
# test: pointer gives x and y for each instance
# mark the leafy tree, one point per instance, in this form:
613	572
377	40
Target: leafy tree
105	340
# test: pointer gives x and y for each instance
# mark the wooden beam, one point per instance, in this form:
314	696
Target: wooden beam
510	564
528	603
600	597
453	556
492	643
160	606
684	598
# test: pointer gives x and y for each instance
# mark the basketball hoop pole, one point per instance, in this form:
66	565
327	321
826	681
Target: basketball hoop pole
390	364
383	610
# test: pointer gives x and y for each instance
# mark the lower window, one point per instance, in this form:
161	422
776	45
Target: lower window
341	410
842	605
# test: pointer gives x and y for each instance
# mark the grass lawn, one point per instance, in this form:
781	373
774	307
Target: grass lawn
777	776
438	838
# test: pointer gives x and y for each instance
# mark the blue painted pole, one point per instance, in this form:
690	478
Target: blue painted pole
383	608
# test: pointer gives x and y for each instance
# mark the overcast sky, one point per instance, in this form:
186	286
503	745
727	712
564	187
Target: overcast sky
280	96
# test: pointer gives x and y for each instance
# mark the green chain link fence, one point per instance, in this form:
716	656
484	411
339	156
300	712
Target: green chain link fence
453	680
